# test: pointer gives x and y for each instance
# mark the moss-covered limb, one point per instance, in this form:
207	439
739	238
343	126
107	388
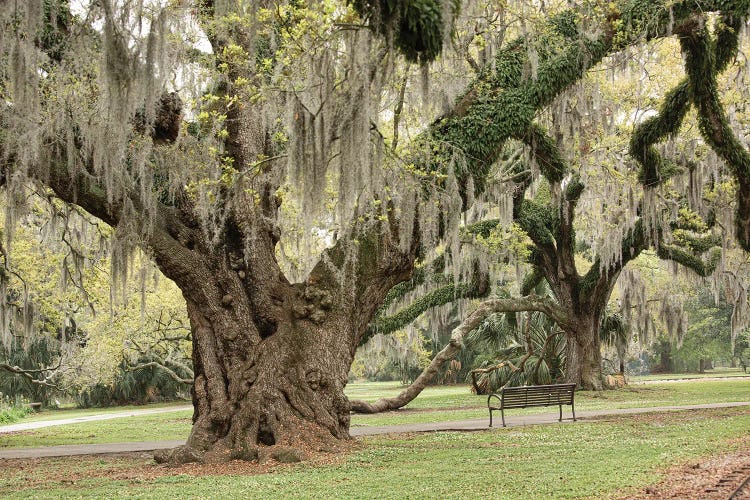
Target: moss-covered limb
539	221
632	245
443	295
742	214
656	169
545	152
502	103
565	233
432	271
696	243
574	190
702	64
701	67
702	267
727	39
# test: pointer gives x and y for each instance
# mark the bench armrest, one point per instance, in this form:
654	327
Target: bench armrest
500	400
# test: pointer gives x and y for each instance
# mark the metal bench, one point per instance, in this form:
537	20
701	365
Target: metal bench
532	395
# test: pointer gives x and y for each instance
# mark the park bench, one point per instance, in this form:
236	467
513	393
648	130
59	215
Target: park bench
532	395
35	406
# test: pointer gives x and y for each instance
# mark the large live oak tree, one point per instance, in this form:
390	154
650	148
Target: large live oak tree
271	357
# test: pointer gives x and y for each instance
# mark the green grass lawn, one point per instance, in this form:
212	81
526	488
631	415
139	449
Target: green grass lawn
588	459
435	404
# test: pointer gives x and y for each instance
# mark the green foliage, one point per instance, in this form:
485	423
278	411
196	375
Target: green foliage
707	337
656	169
505	345
13	409
145	385
66	314
500	240
401	355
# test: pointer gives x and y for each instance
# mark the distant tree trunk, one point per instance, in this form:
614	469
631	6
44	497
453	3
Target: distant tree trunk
583	354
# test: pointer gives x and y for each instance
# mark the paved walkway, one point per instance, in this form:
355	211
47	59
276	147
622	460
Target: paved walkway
30	426
477	424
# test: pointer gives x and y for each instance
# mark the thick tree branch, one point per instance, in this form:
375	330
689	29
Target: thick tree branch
435	298
31	374
454	346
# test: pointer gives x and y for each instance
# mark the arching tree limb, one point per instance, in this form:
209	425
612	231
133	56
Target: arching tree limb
486	308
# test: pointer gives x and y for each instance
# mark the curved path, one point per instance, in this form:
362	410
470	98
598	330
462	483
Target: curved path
30	426
477	424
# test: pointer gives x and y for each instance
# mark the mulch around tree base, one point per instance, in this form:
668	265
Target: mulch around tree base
139	467
708	478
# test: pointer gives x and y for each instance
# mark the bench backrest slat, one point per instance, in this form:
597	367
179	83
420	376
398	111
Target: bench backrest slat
537	395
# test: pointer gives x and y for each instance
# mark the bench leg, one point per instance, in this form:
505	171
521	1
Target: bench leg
502	414
490	418
572	407
560	419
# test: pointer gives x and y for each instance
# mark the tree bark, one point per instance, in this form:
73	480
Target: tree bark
273	397
584	357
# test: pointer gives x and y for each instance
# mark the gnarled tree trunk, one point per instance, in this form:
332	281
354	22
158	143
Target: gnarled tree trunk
286	391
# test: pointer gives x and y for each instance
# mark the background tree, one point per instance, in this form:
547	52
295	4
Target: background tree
684	239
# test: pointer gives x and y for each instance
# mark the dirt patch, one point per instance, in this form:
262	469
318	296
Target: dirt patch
707	478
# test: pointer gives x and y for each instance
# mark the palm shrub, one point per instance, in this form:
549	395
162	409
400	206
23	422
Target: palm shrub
524	350
41	352
144	385
529	349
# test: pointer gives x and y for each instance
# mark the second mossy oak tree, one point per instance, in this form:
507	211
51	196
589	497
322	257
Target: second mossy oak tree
288	91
